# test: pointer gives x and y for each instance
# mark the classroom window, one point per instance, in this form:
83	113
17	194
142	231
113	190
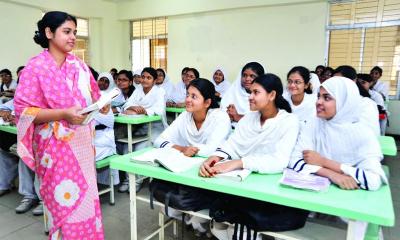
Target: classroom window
364	34
81	49
149	41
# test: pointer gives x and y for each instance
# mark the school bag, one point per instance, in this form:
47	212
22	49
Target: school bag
256	216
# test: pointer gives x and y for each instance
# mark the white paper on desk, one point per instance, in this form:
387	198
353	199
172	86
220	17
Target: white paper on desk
235	175
304	181
95	107
170	158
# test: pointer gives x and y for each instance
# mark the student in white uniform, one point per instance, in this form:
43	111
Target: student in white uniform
235	101
197	131
104	141
256	144
300	95
147	100
337	145
178	99
7	85
220	81
379	86
125	84
164	82
137	78
369	109
366	82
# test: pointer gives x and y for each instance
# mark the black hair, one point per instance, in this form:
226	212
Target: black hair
184	70
94	72
365	77
305	74
194	70
6	71
113	70
127	73
270	82
378	69
328	69
254	66
362	90
346	71
52	20
150	71
161	70
206	89
320	66
19	69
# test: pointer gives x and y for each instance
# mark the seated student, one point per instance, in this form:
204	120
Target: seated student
178	99
300	97
137	78
147	100
315	83
19	71
164	82
337	145
366	81
104	141
8	85
379	86
197	131
114	74
326	74
256	144
369	114
221	83
125	84
235	101
10	166
319	70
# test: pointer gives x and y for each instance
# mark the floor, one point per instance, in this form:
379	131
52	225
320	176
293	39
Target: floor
116	218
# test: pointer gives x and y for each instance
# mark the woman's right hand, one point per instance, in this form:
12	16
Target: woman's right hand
205	168
344	181
72	116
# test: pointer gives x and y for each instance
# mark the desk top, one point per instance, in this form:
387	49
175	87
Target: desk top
8	128
373	207
175	109
137	120
388	145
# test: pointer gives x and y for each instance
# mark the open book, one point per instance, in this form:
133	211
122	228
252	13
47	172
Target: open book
170	158
304	181
95	107
235	175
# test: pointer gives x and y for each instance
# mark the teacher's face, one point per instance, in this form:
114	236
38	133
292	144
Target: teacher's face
63	39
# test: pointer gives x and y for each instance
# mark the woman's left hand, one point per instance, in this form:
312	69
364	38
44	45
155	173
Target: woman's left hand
227	166
105	109
312	157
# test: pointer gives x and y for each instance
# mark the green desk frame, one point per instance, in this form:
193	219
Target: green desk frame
175	110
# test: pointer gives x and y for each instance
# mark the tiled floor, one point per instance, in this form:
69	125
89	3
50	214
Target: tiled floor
116	218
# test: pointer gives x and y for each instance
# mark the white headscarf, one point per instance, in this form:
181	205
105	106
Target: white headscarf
344	138
315	83
107	75
179	94
168	88
237	96
223	86
137	72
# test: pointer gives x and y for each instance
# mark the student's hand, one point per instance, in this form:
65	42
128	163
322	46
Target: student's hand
137	109
170	104
227	166
312	157
8	117
190	151
129	112
105	109
217	94
205	168
71	115
344	181
180	105
233	114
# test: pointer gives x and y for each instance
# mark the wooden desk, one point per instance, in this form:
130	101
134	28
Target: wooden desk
372	207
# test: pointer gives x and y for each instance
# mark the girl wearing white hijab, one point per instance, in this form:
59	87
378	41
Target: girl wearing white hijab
235	101
300	95
315	83
337	145
164	82
104	139
220	82
137	78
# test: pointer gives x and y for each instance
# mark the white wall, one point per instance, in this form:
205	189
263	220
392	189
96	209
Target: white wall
394	120
279	37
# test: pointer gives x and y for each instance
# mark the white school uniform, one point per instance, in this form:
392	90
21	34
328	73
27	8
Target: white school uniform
183	131
223	86
168	88
179	94
370	115
382	88
13	85
315	83
344	138
306	109
266	148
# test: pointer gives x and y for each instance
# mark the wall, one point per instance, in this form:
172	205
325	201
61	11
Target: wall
107	33
279	37
394	120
